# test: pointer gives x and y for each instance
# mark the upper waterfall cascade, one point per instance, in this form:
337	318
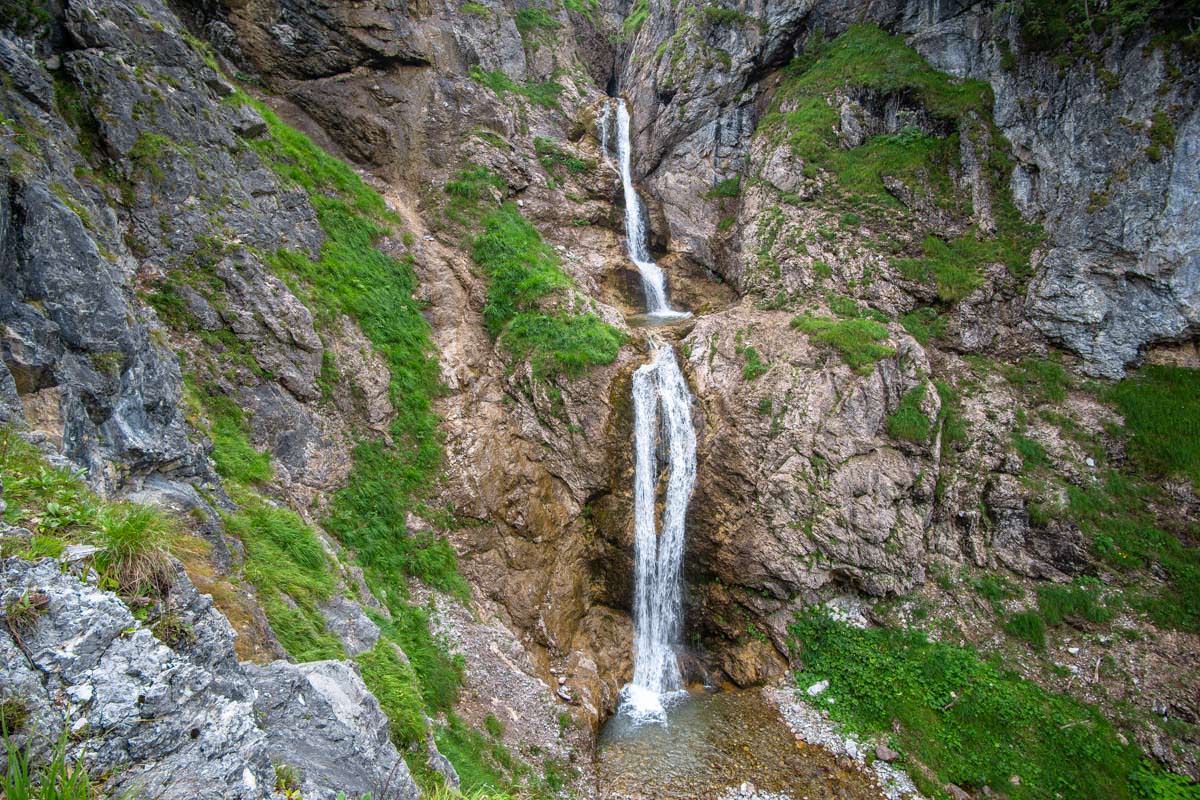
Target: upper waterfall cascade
662	430
654	282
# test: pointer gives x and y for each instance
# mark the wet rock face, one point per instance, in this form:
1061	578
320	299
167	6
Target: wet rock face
187	721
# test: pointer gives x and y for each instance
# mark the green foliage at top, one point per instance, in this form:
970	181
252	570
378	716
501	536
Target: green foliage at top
1161	406
857	340
866	57
544	93
970	721
909	421
523	272
923	324
637	17
534	20
1065	27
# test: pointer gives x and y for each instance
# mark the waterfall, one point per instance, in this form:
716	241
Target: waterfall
662	418
653	281
662	425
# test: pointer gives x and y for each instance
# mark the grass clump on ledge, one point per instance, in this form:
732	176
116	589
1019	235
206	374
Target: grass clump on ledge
543	93
856	340
554	159
523	273
59	509
969	721
909	422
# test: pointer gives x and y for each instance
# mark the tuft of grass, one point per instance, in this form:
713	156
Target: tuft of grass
1162	136
1029	626
493	726
133	558
725	189
57	778
909	422
856	340
1161	406
995	588
923	324
969	721
554	159
1081	600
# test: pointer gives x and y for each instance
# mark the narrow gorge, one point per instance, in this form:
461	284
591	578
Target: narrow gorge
599	399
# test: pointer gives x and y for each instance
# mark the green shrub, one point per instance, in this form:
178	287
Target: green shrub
970	721
909	422
857	340
554	159
533	20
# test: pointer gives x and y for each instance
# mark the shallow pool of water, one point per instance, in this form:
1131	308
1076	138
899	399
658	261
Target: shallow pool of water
711	742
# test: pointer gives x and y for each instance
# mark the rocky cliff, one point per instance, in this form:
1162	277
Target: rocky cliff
341	290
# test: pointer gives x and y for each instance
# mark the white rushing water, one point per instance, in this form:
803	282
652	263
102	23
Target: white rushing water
662	418
653	281
662	413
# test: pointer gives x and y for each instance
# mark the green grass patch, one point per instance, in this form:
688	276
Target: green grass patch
1033	455
866	57
284	557
725	189
397	688
856	340
1039	379
924	324
970	721
523	273
235	458
1161	406
909	422
1083	600
543	93
636	18
1029	626
555	160
1115	512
